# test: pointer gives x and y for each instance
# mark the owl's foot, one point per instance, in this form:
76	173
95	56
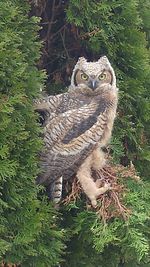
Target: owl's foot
99	192
98	158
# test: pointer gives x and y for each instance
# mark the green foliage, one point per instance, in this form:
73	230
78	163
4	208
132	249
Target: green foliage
94	243
120	30
119	34
30	227
27	225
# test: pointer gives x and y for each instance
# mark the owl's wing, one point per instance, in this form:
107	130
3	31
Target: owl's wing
69	138
68	125
79	128
48	105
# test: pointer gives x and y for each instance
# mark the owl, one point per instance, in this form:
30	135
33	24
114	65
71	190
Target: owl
78	125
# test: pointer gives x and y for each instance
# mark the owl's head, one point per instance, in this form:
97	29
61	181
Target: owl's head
93	76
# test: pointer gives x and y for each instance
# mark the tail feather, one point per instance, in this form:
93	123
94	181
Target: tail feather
56	190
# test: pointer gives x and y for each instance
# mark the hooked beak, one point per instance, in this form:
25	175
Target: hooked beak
93	84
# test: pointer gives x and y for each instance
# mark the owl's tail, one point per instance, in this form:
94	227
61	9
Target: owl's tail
56	190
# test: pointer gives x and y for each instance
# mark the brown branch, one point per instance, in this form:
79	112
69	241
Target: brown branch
50	23
56	33
63	41
123	210
106	172
52	18
75	193
90	34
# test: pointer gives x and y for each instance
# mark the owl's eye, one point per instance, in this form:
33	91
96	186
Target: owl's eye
102	76
84	76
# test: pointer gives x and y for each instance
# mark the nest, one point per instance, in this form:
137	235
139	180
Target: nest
110	204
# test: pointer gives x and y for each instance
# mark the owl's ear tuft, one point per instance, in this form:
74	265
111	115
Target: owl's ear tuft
103	59
81	60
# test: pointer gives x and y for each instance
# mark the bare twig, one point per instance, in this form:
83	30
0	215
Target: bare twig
90	34
56	33
52	19
63	41
75	193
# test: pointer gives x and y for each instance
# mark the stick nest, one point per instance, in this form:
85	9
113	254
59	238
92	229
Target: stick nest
110	204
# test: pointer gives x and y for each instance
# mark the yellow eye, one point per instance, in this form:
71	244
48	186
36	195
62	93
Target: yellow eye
84	76
102	76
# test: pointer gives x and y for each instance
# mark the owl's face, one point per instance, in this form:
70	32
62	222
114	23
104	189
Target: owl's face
93	81
93	77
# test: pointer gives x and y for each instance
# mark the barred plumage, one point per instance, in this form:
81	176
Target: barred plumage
78	125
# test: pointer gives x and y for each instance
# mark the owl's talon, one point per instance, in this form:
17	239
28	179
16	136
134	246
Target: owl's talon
94	203
99	192
98	183
103	189
107	186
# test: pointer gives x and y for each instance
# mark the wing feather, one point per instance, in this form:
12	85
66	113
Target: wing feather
67	126
48	104
70	137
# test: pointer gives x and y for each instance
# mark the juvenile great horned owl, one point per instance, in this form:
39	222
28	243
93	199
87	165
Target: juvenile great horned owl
79	123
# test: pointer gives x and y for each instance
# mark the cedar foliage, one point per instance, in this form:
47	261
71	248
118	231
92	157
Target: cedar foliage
120	30
28	232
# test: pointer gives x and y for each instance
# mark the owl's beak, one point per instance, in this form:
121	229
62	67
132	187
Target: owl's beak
93	84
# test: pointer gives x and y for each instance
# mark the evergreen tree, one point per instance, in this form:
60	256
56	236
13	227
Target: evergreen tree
28	232
120	30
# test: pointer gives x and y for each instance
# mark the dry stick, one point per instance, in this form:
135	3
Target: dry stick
63	41
102	210
50	23
52	18
89	34
53	22
56	33
109	174
76	188
123	210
